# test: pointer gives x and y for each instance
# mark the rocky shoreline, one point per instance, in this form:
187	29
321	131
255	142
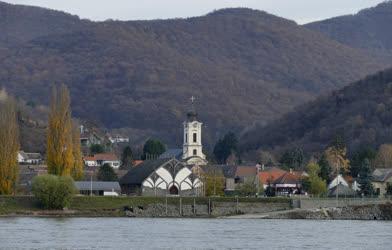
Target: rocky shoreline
363	212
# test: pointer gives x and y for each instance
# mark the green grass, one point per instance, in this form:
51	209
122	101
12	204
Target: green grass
113	206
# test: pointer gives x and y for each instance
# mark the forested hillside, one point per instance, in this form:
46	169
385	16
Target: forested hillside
241	65
370	29
360	113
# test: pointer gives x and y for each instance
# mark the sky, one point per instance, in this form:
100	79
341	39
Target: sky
302	11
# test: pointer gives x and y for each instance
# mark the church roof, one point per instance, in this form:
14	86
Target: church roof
172	153
138	174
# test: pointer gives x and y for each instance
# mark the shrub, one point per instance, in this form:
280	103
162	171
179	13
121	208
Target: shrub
53	192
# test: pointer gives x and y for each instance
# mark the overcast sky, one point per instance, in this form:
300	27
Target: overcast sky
302	11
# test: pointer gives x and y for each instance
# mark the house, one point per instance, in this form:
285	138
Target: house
100	188
269	175
98	160
29	158
341	190
338	180
161	177
382	177
118	139
287	184
244	174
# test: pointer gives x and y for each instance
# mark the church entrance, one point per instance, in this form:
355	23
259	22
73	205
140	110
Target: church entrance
173	190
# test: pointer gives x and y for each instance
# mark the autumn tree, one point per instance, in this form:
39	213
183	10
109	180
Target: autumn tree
60	157
384	156
337	157
214	182
77	170
317	186
9	144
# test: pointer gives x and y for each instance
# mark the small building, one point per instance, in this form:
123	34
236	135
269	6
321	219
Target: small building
161	177
342	191
99	160
99	188
269	175
382	177
245	173
287	184
338	180
118	139
29	158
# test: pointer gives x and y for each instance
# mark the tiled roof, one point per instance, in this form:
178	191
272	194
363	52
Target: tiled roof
287	178
245	171
271	175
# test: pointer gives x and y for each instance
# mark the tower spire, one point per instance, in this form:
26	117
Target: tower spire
192	114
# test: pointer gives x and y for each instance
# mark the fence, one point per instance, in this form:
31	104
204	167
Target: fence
312	203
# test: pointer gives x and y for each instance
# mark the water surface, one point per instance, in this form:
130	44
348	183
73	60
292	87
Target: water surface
134	233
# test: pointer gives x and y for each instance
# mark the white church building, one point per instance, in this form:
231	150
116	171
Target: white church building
171	173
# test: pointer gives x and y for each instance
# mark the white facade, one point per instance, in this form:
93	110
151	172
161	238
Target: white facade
192	146
338	180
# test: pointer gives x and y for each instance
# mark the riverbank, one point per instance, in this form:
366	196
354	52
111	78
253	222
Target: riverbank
85	206
360	212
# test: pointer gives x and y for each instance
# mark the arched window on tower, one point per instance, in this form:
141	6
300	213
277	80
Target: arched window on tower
186	138
194	137
195	152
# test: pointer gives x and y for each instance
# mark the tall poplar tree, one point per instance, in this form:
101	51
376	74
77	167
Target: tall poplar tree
77	171
9	144
60	158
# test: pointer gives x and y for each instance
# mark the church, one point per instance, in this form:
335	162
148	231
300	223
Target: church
172	173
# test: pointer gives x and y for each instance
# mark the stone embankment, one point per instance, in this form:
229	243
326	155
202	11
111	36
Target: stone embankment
361	212
215	209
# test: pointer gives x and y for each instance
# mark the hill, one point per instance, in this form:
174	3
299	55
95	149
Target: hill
242	65
361	113
370	29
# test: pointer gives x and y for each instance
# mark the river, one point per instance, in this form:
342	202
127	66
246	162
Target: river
138	233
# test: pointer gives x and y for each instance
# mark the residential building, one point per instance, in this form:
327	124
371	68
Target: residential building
98	160
29	158
382	177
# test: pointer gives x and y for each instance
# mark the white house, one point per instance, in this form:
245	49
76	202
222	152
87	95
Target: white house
338	180
29	158
101	159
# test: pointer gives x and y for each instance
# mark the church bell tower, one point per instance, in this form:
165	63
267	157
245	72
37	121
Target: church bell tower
192	147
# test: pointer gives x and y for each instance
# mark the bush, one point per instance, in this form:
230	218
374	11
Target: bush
53	192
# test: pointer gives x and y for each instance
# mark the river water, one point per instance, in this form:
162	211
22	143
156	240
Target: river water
135	233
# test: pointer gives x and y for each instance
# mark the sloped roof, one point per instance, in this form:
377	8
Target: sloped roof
287	178
245	171
271	175
138	174
102	157
172	153
98	185
342	191
382	174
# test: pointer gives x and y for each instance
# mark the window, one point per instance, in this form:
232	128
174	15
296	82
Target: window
186	138
194	137
194	152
